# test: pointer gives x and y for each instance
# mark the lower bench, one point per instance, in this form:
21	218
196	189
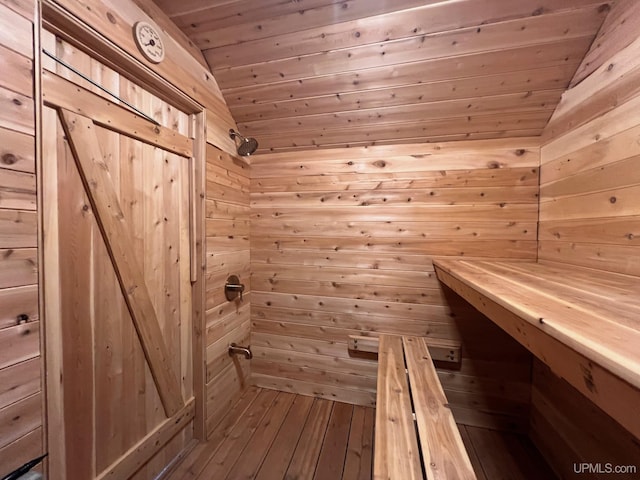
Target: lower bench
416	436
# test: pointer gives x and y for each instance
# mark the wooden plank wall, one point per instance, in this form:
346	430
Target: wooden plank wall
590	216
618	30
343	241
20	362
590	176
227	232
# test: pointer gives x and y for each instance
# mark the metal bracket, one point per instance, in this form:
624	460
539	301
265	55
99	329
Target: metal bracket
233	288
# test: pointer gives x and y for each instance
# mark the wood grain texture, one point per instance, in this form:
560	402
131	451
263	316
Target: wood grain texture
498	453
558	431
17	151
279	455
17	31
457	42
610	85
281	65
590	161
271	435
334	447
617	31
104	199
61	93
227	237
305	457
342	243
19	381
444	350
17	112
21	79
21	395
582	324
179	68
23	7
396	452
141	452
152	188
21	451
443	452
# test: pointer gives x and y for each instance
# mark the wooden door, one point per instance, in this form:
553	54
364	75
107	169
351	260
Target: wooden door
118	234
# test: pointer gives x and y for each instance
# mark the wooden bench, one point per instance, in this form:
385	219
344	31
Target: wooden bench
408	388
583	323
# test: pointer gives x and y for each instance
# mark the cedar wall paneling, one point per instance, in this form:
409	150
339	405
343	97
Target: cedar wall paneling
618	30
343	241
590	175
20	365
590	216
227	231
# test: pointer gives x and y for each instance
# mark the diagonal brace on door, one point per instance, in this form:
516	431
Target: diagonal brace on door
85	146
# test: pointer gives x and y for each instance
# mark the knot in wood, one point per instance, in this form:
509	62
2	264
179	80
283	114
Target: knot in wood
9	159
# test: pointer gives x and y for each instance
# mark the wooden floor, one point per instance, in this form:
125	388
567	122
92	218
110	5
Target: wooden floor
270	435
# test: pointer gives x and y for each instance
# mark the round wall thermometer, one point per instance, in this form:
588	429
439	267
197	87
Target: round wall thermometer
149	42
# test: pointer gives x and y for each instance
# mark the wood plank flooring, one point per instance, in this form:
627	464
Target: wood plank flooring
271	435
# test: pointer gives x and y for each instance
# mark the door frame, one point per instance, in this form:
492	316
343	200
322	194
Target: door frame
64	25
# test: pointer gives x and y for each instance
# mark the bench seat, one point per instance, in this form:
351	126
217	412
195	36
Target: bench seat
408	388
583	323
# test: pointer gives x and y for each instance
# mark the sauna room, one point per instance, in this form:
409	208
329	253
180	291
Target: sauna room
319	239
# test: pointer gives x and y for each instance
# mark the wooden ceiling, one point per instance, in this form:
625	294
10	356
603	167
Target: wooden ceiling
332	73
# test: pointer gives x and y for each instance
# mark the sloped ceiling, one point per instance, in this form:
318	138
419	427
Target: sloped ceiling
299	74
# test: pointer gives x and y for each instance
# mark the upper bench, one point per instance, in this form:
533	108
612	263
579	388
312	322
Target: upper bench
583	323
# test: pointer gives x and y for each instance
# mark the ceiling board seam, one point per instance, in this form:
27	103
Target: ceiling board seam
426	36
389	88
425	123
452	58
402	11
525	94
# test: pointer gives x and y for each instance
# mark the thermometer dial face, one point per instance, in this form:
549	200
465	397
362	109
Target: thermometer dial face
149	42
